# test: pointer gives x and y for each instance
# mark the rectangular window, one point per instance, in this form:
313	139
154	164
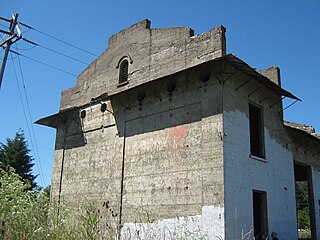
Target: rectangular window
256	131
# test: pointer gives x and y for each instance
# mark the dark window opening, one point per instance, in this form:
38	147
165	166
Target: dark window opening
256	131
123	75
260	216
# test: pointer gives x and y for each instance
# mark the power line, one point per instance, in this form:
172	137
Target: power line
30	118
57	39
43	63
26	118
3	25
26	49
52	50
2	49
9	59
4	19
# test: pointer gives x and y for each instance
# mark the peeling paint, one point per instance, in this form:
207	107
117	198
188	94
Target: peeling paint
209	225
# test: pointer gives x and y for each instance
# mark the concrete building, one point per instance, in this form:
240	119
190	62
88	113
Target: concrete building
171	137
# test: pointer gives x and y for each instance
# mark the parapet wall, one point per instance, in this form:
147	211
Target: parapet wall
153	53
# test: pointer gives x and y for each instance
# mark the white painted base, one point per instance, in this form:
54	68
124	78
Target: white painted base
209	225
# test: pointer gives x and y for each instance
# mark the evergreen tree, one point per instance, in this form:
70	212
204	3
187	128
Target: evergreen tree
15	154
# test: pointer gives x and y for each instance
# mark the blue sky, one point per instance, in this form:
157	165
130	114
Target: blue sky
262	33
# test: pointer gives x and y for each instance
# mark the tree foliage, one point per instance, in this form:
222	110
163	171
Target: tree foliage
302	198
15	154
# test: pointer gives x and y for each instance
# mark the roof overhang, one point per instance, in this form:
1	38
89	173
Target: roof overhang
58	118
238	64
253	74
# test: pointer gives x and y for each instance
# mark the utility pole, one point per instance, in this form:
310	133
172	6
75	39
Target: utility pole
10	40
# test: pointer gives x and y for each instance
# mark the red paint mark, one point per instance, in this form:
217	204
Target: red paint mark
178	145
179	132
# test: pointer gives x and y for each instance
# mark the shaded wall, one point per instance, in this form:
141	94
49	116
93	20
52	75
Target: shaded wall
163	153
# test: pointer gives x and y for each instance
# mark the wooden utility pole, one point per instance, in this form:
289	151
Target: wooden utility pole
10	40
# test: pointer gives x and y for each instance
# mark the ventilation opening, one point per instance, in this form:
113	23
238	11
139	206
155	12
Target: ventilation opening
256	131
123	74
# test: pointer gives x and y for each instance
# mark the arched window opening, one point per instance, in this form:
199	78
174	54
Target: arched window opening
123	74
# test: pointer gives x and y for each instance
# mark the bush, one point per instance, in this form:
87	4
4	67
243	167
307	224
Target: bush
26	214
303	219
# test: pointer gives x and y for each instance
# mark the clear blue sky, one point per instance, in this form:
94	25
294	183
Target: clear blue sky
262	33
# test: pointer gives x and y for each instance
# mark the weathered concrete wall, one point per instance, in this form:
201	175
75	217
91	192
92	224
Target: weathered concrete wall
243	174
273	73
91	154
169	146
153	53
175	142
173	150
303	146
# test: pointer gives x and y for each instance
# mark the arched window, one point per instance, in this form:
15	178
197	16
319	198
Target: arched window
123	74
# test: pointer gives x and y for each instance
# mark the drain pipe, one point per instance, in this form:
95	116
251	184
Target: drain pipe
122	180
62	163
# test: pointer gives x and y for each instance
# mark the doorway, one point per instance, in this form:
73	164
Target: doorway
260	215
304	202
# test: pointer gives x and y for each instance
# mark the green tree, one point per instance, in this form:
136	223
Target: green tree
302	195
15	154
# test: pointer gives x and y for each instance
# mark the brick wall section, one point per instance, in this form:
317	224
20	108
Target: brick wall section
275	173
243	173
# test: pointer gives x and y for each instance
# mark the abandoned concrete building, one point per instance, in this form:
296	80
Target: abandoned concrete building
165	131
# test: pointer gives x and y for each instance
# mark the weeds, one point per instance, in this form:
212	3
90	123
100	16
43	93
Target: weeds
28	215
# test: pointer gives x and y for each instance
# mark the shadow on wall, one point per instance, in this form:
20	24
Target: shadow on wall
182	98
69	131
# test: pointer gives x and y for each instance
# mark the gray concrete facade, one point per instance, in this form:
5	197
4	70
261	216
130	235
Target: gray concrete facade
170	146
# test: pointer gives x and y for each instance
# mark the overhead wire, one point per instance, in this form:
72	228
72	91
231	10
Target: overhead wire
50	49
26	49
12	58
26	118
43	63
30	118
57	39
25	104
3	25
2	49
1	40
55	51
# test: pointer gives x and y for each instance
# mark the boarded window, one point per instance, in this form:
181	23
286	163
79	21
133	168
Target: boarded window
123	74
256	131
